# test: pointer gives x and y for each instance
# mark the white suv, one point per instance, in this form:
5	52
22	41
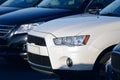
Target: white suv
75	44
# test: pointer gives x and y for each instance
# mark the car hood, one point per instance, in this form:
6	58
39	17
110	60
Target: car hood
4	10
31	15
74	26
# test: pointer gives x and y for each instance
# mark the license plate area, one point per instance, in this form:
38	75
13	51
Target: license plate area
39	50
33	49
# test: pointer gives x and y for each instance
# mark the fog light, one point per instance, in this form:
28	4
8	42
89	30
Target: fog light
69	62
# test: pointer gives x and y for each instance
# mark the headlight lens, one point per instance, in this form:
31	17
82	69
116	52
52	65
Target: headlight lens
26	27
72	40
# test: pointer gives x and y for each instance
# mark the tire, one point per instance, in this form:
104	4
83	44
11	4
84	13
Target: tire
99	71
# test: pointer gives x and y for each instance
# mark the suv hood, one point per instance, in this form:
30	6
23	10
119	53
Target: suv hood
4	10
31	15
74	26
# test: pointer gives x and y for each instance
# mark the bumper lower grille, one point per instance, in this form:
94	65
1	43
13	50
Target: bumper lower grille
40	60
4	30
36	40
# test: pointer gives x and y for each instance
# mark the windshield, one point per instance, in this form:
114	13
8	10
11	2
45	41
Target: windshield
112	10
64	4
20	3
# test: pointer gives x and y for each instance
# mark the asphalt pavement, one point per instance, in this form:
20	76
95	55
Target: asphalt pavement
16	71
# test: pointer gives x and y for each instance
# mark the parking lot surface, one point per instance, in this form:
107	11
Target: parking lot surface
11	71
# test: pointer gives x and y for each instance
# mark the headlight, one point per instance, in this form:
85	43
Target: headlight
72	40
26	27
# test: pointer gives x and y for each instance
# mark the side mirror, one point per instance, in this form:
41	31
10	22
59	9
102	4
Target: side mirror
94	11
95	8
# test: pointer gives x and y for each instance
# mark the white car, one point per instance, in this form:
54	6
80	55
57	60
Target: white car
75	44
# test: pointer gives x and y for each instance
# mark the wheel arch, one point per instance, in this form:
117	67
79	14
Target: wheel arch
102	54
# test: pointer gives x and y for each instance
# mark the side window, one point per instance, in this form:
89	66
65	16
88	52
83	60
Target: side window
98	5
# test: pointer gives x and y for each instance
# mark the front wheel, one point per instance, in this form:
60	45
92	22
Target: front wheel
99	71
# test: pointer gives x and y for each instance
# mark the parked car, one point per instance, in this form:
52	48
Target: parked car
13	5
113	67
14	25
2	1
75	44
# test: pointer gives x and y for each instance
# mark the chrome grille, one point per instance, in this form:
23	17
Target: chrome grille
4	30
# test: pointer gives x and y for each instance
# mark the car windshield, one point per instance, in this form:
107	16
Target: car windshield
64	4
20	3
112	10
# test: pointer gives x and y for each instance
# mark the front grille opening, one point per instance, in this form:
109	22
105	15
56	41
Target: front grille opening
36	40
38	59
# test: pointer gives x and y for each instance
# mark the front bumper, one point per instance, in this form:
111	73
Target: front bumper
14	45
69	74
62	73
82	57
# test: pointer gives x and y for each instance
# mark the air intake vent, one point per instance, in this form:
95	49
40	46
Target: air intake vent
36	40
38	59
